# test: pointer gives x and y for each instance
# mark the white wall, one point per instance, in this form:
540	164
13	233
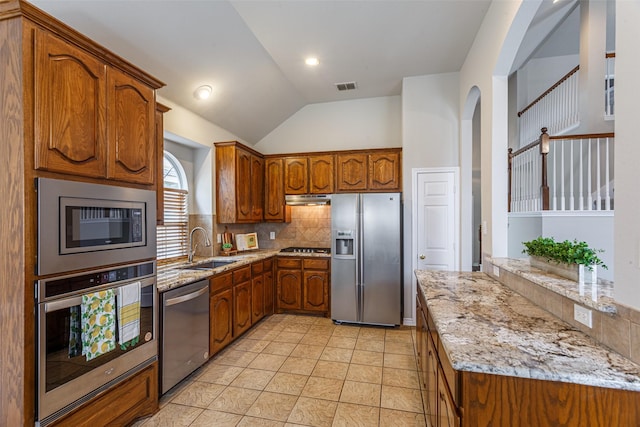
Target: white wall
340	125
539	74
430	138
192	132
487	66
595	228
627	215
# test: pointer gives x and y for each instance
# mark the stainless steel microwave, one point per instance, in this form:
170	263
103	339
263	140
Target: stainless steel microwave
83	225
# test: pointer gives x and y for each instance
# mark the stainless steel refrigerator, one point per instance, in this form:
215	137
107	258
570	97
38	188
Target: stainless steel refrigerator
366	258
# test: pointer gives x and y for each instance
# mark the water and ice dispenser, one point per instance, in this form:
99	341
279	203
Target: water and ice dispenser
344	242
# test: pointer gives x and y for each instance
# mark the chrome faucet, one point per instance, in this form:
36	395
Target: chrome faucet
192	250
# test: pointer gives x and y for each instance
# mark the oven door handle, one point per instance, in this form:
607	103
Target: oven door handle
62	304
187	297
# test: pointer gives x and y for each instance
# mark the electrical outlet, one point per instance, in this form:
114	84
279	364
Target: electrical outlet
582	315
496	271
272	235
219	238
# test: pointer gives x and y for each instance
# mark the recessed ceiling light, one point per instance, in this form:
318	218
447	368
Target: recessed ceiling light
311	61
203	92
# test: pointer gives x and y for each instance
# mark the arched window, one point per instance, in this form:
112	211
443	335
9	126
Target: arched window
173	234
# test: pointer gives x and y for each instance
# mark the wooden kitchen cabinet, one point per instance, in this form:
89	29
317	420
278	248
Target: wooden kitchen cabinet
303	285
70	108
274	208
91	119
131	129
241	300
351	172
315	284
296	175
374	171
321	176
239	184
384	171
120	405
289	284
220	312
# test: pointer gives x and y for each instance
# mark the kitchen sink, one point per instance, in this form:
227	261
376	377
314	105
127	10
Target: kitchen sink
208	265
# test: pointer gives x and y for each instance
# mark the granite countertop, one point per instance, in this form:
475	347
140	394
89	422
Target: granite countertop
598	296
176	275
485	327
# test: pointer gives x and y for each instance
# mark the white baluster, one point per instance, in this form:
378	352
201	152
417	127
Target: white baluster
589	167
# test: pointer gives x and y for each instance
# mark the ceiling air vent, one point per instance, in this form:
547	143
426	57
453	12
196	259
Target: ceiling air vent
346	86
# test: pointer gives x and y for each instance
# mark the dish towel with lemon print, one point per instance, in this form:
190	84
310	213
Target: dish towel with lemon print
128	314
98	323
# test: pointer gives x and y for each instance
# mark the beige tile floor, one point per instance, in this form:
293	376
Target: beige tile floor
302	371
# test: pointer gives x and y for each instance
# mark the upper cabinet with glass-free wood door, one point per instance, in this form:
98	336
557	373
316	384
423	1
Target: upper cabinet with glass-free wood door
309	174
239	184
371	170
91	118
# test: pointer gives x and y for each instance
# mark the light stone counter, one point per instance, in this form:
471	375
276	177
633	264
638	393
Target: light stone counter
485	327
176	275
598	296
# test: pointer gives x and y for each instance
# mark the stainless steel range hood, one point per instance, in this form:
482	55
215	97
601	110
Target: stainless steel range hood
307	199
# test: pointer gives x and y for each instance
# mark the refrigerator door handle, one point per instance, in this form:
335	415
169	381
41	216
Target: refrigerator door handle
361	280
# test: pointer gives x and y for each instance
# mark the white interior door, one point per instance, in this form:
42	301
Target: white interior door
437	220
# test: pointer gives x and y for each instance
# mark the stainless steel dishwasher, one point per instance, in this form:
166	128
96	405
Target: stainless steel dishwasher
185	332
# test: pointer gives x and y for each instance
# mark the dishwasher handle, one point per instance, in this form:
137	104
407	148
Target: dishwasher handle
187	297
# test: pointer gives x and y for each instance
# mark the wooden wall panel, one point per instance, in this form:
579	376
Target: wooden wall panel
12	229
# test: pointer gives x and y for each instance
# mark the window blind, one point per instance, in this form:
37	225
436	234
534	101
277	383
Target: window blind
173	235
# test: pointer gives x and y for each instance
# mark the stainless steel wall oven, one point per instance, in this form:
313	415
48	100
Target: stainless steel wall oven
94	329
83	225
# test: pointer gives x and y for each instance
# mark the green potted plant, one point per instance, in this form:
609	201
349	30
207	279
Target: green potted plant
573	260
226	247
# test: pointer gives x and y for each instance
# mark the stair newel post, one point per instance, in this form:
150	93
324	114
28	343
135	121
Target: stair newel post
509	162
544	150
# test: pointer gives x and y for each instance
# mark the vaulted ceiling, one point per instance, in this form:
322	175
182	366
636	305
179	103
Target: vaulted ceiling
252	52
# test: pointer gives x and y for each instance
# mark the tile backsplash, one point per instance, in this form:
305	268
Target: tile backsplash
310	226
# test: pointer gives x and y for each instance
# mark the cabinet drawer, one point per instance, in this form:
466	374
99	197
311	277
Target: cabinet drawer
242	275
219	282
315	263
256	268
289	263
268	264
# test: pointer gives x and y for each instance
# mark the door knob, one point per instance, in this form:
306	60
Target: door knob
422	256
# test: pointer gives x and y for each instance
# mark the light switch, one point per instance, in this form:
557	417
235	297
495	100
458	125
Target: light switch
272	235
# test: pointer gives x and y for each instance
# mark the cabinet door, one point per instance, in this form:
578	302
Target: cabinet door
274	208
257	298
131	131
221	320
241	308
295	175
289	287
70	109
321	174
384	171
257	188
315	290
243	186
351	172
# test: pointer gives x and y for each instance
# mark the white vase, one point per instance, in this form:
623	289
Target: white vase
576	272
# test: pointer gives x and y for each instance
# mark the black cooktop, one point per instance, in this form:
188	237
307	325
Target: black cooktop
307	250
